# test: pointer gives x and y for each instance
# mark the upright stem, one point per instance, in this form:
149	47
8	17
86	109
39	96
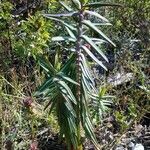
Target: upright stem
10	42
79	71
78	50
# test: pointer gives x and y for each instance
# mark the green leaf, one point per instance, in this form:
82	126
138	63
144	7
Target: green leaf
99	4
64	23
86	123
65	93
70	33
86	69
77	3
70	49
96	15
50	91
65	6
69	106
84	1
66	87
67	65
102	24
102	91
92	26
98	41
61	38
108	97
84	91
51	102
86	73
63	76
47	66
93	57
86	83
89	130
60	15
45	85
87	39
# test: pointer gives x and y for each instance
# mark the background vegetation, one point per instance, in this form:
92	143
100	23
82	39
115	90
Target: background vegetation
26	36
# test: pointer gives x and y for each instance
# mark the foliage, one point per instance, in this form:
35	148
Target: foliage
28	38
70	85
32	36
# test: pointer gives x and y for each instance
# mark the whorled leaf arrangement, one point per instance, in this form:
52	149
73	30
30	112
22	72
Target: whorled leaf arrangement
70	86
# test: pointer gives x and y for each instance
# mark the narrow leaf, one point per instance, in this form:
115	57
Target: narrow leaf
96	15
93	57
68	90
67	65
69	106
63	76
86	83
52	101
99	4
102	24
92	26
77	3
61	38
70	33
65	6
47	66
60	15
45	85
87	39
66	24
86	68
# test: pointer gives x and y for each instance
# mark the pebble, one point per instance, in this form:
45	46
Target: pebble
138	147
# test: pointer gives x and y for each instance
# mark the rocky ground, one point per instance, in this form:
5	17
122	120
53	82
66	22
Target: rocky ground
136	137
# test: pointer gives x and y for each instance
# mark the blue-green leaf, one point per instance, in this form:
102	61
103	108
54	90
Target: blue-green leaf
63	38
93	13
66	87
92	26
63	76
70	33
47	66
87	39
93	57
60	15
64	23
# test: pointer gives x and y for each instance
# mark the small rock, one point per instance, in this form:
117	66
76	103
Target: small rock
120	148
131	146
138	128
138	147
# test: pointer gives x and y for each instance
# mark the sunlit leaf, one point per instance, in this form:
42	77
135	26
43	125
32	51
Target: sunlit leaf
96	15
67	65
70	33
93	57
63	76
100	4
68	90
87	39
77	3
61	38
92	26
60	15
65	6
64	23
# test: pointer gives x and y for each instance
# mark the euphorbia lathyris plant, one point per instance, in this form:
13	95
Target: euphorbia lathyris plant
70	85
